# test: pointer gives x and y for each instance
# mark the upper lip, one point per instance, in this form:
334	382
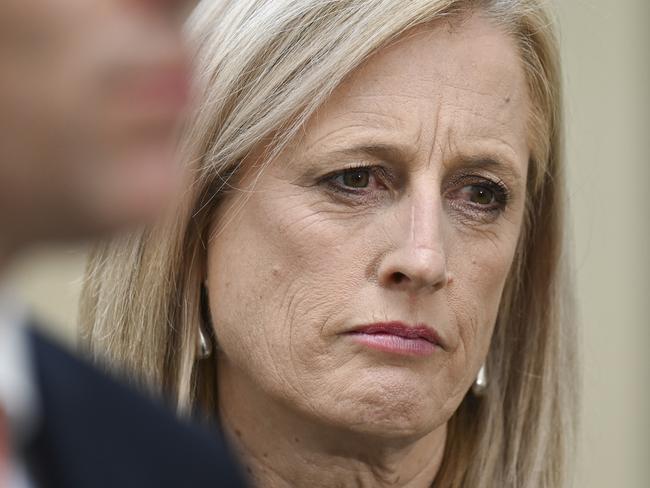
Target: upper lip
400	329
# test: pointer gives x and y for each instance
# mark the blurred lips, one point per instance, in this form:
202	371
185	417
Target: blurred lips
398	338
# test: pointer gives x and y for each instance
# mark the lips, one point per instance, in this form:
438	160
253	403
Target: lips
399	338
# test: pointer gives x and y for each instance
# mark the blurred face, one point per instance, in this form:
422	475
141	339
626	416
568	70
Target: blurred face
90	95
359	284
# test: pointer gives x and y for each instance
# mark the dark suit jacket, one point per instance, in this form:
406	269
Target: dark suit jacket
94	432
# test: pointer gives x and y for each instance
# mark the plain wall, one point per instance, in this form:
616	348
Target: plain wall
607	75
607	78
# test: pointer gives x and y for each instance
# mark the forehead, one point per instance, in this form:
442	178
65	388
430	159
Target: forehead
450	84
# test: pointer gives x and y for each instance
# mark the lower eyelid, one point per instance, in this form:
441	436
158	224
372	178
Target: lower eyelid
469	215
476	211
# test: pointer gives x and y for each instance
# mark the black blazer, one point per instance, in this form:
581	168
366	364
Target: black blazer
94	432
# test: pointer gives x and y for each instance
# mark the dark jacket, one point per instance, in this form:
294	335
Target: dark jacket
95	432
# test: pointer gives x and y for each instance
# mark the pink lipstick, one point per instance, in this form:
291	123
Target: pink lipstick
398	338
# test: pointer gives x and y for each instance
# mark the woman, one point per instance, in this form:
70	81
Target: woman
372	226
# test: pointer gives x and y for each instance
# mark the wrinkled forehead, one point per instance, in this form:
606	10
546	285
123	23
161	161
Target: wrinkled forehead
445	84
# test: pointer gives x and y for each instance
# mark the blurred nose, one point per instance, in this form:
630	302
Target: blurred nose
417	263
155	61
177	10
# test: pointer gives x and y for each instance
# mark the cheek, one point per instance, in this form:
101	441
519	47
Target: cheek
276	275
480	267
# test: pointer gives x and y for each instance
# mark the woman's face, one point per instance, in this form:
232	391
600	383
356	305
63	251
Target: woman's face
357	280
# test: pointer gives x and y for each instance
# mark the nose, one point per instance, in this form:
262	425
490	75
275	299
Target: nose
172	13
418	262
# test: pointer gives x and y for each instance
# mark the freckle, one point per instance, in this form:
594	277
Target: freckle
275	270
296	440
266	454
507	100
249	470
238	432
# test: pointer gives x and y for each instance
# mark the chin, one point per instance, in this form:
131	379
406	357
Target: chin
401	427
389	409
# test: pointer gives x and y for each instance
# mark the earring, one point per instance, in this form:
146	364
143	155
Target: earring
204	348
203	343
481	382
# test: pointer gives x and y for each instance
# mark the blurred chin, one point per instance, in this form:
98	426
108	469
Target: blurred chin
106	198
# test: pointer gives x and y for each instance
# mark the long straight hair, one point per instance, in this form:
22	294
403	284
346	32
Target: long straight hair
263	68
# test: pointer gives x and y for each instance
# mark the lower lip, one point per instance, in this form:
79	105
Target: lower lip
395	344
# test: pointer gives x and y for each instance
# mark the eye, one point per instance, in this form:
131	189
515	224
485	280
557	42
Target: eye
479	195
354	178
359	183
360	180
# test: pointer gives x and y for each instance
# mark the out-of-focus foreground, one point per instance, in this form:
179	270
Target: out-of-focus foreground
607	74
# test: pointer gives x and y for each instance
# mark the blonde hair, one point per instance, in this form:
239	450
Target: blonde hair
264	67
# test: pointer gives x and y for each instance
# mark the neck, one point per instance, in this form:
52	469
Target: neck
280	447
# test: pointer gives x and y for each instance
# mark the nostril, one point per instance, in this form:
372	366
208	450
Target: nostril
399	278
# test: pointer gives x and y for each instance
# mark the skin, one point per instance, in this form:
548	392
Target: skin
299	263
87	147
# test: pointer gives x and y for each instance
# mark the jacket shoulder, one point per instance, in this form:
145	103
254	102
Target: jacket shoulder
101	433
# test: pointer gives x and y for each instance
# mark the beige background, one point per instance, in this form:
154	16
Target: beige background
607	74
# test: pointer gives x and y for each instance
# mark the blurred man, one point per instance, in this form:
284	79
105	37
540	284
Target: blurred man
91	92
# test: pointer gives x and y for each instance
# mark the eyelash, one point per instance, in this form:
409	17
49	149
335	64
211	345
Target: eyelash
378	172
496	186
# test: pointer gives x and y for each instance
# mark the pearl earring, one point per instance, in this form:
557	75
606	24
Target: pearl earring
204	348
203	343
480	383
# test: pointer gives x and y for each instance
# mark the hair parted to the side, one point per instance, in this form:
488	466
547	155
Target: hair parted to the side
263	68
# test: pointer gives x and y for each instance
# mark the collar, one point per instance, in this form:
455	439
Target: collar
18	394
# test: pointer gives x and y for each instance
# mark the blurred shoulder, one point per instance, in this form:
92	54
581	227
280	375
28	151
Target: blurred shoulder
93	427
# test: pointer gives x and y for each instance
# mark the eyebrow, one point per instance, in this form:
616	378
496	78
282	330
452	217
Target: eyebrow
400	154
394	153
504	166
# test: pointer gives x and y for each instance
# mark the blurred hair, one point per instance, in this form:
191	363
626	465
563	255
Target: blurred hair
263	68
